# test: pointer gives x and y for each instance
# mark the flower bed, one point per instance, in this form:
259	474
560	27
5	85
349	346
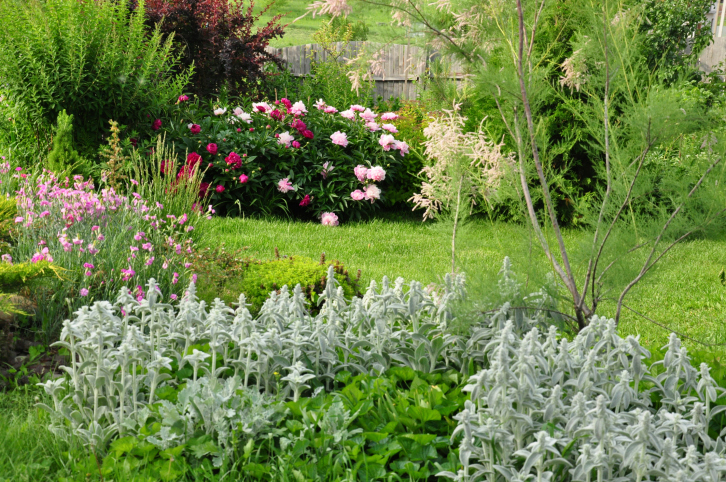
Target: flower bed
281	157
102	239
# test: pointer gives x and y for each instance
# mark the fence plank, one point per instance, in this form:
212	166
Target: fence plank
403	65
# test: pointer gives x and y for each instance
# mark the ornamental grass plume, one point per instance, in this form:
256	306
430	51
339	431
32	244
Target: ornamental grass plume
465	169
456	156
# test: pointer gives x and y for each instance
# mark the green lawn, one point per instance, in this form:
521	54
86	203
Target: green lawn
683	292
378	20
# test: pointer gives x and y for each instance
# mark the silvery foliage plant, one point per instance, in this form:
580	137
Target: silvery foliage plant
124	354
586	409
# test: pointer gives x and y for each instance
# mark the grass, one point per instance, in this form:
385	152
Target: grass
683	292
378	20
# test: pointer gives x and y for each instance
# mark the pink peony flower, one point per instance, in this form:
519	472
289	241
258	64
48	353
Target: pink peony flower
212	149
372	126
348	114
329	219
387	141
368	115
298	108
195	128
183	98
357	195
376	173
83	292
320	104
390	128
284	185
299	126
285	139
286	102
401	146
372	192
262	107
295	144
243	178
330	110
305	201
339	138
156	125
360	172
219	188
389	116
357	108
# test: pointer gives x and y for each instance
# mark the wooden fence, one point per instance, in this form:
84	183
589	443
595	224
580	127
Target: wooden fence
403	65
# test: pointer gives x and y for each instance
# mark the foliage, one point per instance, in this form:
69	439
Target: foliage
14	276
284	158
95	60
374	387
63	159
340	25
412	119
262	277
215	354
675	35
220	40
330	78
551	408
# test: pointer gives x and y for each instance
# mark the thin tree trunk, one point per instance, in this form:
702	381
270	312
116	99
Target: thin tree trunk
456	224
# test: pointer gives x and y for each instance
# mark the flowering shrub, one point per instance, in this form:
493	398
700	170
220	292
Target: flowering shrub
224	44
102	239
288	157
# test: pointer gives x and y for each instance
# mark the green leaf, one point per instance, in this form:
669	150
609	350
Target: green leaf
124	445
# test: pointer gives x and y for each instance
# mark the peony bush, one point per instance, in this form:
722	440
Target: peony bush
285	157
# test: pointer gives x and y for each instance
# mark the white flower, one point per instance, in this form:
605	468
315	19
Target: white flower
220	110
298	108
285	139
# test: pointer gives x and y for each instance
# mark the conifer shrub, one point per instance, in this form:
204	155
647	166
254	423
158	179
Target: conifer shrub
63	158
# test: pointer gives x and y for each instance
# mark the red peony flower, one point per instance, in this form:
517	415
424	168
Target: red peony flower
286	103
219	188
212	149
295	144
203	189
243	178
195	128
156	125
305	201
193	159
233	160
277	115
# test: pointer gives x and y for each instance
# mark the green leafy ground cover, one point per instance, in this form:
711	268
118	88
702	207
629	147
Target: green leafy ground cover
684	293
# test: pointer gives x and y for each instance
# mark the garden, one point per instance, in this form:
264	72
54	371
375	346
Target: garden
212	269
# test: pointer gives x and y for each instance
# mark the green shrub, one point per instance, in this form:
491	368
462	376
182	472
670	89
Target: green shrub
96	60
15	276
225	274
63	158
8	211
263	277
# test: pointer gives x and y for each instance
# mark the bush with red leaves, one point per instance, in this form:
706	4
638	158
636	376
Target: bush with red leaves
220	38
